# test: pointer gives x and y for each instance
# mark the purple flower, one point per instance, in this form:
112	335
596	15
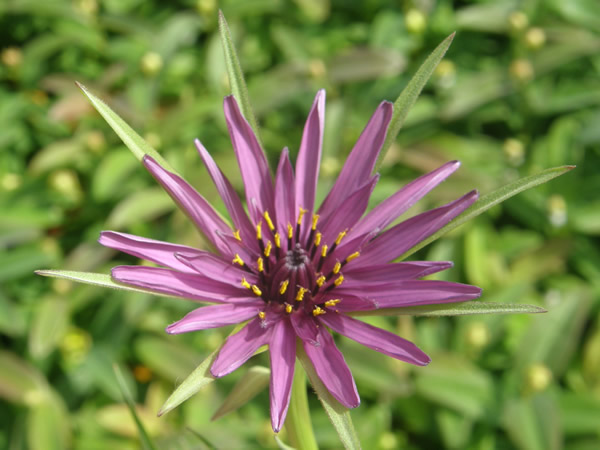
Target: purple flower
293	270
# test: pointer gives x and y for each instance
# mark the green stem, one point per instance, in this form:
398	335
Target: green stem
298	424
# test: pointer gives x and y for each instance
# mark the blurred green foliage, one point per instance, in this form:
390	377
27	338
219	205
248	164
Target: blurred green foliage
519	91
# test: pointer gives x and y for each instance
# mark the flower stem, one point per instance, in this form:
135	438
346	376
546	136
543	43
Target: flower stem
298	424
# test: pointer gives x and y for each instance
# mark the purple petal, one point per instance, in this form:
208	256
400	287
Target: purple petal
393	207
215	268
377	339
193	204
282	350
179	284
159	252
305	327
230	198
215	316
400	238
309	155
332	369
240	347
393	271
411	292
284	194
348	302
251	159
361	161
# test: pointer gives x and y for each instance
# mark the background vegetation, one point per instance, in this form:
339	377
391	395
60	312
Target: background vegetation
519	91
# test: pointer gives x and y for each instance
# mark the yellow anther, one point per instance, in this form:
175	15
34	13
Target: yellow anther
288	308
277	240
337	268
300	294
256	290
261	264
283	286
246	284
352	256
332	302
269	221
324	251
238	260
268	248
259	231
236	234
318	311
315	219
290	230
339	280
301	215
340	237
321	280
318	237
262	315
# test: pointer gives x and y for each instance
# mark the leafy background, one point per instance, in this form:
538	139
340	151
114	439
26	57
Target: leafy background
518	92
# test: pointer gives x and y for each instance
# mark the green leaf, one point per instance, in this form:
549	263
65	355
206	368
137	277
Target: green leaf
20	382
138	146
410	93
140	207
50	323
49	424
455	309
492	199
252	382
338	414
236	76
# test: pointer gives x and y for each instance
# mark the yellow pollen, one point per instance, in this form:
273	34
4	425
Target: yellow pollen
332	302
269	221
301	215
341	236
256	290
321	280
238	260
290	231
236	234
315	219
353	256
259	231
261	265
288	308
324	251
300	294
268	248
339	280
337	267
246	284
262	315
277	240
318	237
318	311
283	286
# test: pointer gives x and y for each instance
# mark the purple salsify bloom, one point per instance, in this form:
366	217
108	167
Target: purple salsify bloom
292	271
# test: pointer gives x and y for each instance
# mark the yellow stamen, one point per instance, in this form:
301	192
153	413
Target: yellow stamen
288	308
315	219
318	311
269	221
290	231
238	260
262	315
341	236
337	268
352	256
318	237
283	286
324	251
300	294
236	234
277	240
332	302
246	284
268	248
339	280
321	280
261	264
259	231
301	215
256	290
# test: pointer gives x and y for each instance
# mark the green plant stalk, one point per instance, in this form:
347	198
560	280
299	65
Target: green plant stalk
298	424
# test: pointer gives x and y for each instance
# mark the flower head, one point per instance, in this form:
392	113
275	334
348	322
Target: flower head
292	270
